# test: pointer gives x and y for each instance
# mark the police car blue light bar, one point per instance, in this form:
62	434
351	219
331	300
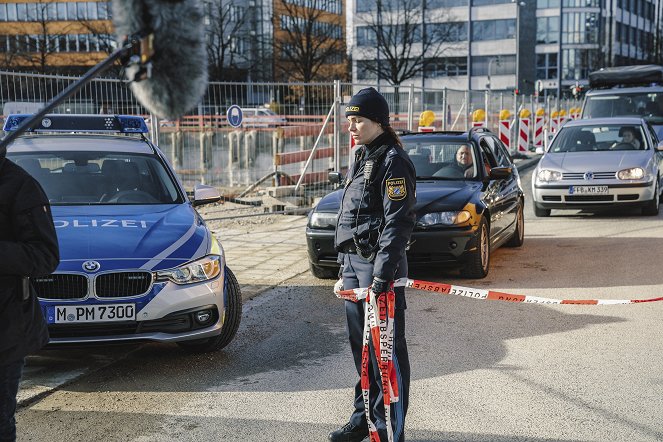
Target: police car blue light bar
80	123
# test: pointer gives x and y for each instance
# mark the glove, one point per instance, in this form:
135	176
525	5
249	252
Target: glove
380	286
338	286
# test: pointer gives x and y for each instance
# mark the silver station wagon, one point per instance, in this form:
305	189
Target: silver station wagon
600	162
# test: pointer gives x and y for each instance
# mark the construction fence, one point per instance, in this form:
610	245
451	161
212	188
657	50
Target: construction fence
292	134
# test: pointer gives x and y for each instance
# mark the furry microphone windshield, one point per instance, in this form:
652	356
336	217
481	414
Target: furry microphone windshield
179	62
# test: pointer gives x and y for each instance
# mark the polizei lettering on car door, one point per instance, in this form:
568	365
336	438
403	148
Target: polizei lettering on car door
127	223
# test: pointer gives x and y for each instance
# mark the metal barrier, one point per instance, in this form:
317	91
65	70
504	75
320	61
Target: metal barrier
293	134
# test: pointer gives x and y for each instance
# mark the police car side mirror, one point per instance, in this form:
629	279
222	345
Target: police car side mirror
335	177
659	147
203	194
500	173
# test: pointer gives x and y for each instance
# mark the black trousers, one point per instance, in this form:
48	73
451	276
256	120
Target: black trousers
10	375
359	273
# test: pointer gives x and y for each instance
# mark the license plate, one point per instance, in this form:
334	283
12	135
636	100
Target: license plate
69	314
588	190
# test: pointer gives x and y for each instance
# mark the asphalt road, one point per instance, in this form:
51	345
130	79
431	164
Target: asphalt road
481	370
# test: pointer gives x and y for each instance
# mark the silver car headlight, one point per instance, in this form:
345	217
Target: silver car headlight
444	218
547	175
200	270
634	173
323	220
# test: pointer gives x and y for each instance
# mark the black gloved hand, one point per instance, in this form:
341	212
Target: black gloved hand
379	285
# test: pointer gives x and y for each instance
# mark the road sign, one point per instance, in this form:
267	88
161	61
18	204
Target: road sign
235	115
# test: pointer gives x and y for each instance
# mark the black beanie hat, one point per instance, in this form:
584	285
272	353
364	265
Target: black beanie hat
369	103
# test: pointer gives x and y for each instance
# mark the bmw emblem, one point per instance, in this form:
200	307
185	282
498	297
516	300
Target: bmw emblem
588	176
91	266
46	122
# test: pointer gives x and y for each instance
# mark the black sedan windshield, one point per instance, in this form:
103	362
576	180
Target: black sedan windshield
442	160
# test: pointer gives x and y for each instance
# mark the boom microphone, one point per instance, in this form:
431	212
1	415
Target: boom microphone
171	75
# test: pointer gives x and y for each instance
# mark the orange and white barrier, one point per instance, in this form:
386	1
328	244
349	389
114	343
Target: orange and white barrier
505	133
479	118
539	123
523	135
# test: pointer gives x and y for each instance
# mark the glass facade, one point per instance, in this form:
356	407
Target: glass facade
578	63
580	28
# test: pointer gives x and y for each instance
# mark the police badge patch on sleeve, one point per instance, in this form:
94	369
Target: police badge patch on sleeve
396	189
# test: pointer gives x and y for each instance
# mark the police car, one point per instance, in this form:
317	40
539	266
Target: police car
137	261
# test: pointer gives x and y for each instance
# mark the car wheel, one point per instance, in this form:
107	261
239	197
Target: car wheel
519	234
540	212
323	272
479	259
231	318
652	206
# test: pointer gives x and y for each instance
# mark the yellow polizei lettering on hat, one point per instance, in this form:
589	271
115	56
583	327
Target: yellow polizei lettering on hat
352	109
396	189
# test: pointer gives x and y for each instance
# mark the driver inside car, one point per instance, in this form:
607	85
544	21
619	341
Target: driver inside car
629	137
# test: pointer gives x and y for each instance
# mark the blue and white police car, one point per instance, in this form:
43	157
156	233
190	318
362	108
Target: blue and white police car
137	260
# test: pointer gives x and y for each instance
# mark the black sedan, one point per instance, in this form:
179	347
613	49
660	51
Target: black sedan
469	202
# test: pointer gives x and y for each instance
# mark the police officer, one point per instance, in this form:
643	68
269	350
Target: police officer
28	248
375	221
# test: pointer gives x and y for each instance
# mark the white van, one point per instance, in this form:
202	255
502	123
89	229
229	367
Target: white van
626	91
21	107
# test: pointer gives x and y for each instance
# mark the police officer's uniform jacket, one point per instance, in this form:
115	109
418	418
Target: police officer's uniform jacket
28	248
378	208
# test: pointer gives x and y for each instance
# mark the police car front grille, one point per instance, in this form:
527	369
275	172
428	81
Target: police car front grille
122	284
61	286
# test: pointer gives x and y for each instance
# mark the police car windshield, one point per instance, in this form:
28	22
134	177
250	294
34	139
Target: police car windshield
647	105
438	160
100	178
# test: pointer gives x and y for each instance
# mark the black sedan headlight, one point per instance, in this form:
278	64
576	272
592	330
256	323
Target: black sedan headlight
449	218
323	220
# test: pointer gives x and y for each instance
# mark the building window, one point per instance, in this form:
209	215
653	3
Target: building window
581	3
546	66
446	67
501	65
366	70
436	4
547	30
493	29
488	2
544	4
365	36
578	63
447	32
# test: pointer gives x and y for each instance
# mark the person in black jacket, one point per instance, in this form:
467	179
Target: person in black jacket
28	248
374	225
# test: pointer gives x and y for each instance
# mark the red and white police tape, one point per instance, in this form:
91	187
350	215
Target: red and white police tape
489	295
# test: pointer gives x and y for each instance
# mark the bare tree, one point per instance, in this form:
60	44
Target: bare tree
405	39
309	45
227	48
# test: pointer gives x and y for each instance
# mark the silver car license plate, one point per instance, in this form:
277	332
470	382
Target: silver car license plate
588	190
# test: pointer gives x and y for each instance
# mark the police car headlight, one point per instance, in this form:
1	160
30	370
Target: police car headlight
323	220
444	218
634	173
547	175
201	270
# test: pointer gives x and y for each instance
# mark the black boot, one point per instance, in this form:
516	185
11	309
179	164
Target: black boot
349	433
